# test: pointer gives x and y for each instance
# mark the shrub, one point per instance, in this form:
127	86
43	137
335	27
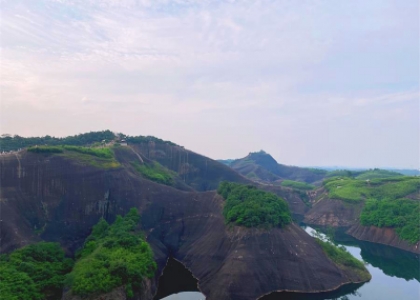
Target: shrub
340	255
247	206
34	272
113	255
401	214
297	185
155	172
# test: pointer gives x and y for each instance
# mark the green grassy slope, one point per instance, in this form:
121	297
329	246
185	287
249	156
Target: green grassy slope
386	202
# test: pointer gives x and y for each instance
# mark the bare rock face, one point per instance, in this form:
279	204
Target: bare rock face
57	199
335	213
385	236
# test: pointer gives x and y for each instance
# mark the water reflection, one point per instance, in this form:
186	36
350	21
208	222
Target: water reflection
395	273
342	293
177	283
186	296
392	261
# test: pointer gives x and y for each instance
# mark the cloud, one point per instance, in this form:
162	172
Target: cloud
281	70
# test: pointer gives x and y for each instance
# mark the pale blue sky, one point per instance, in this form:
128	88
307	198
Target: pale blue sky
311	82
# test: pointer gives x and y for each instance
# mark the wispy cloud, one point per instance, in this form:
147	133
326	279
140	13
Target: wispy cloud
279	69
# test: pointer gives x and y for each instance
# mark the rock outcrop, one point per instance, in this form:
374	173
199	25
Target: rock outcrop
335	213
58	199
339	214
386	236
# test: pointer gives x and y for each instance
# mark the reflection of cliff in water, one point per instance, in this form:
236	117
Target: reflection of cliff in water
340	294
175	278
392	261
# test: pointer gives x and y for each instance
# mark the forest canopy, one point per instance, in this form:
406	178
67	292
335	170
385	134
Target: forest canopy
34	272
247	206
401	214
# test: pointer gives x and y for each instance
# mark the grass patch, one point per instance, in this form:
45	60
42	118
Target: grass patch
377	173
247	206
105	153
98	157
155	172
340	256
297	185
355	190
112	256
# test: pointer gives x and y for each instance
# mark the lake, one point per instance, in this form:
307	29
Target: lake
395	275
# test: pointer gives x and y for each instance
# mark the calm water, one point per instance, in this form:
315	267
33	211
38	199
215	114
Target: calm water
186	296
395	275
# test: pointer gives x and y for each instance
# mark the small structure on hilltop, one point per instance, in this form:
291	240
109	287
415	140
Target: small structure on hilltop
123	142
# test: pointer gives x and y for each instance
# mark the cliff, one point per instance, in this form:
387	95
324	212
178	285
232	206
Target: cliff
386	236
57	198
337	213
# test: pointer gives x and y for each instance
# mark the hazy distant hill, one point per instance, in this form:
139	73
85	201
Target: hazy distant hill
261	166
408	172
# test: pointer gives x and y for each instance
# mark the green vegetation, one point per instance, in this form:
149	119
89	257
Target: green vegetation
112	256
385	203
98	152
155	172
34	272
377	173
98	157
363	175
8	143
46	149
297	185
402	214
247	206
340	173
354	190
343	258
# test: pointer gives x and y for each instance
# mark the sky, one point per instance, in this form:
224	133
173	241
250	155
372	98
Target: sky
313	83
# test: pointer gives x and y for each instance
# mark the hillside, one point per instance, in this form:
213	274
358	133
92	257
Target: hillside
57	196
261	166
385	210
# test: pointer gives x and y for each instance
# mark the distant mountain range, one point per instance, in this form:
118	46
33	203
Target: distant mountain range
262	167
